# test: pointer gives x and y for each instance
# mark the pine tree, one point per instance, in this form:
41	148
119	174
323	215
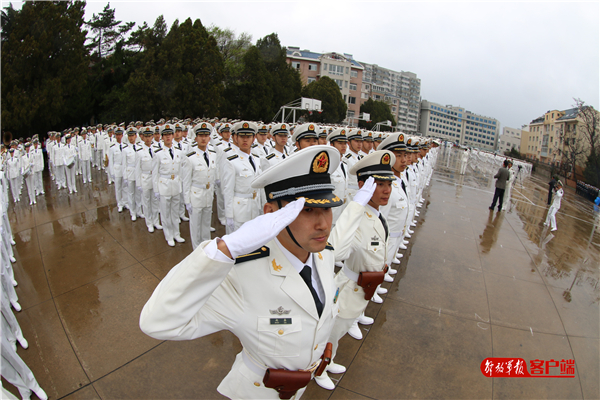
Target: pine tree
44	67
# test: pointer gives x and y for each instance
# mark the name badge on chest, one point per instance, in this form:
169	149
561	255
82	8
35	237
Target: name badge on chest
281	321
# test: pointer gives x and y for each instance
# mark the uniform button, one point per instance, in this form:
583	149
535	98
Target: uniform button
316	346
256	384
280	332
356	289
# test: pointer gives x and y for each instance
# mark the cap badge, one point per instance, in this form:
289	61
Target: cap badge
167	127
408	141
203	126
321	163
283	126
370	134
343	132
385	160
311	127
245	126
401	138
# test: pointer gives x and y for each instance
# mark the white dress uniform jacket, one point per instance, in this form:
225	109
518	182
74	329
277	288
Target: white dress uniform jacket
201	296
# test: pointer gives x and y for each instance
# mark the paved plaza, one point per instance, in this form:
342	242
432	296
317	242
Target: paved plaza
473	284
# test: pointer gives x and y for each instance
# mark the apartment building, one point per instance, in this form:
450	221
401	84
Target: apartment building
510	139
459	125
342	68
400	89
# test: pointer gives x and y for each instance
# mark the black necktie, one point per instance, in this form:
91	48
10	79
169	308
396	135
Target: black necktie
403	186
283	156
120	147
265	149
252	163
206	158
343	170
306	274
385	227
171	153
150	151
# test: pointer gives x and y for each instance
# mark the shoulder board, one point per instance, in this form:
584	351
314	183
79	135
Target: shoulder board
219	143
195	144
328	246
157	150
112	144
233	157
191	153
212	151
258	253
348	155
254	145
255	155
270	156
227	149
138	149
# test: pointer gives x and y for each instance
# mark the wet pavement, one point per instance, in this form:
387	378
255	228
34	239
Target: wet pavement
473	284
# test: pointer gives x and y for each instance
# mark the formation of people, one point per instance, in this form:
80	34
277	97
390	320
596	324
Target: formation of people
296	202
12	367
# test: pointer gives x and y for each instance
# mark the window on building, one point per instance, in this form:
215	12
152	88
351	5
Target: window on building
353	74
347	70
344	97
339	82
340	70
295	64
332	68
324	66
311	80
346	84
353	86
351	100
312	67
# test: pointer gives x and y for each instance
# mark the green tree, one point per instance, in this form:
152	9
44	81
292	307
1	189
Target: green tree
379	111
107	32
44	67
333	105
284	80
252	98
232	49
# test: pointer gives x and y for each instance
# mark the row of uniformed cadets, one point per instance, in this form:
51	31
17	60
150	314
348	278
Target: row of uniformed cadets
24	162
12	367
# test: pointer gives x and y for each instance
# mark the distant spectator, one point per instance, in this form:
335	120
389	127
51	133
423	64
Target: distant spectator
501	177
552	183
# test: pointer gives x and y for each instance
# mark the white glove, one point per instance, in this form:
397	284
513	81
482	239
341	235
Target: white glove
125	183
218	182
363	196
139	188
230	224
189	209
157	196
262	229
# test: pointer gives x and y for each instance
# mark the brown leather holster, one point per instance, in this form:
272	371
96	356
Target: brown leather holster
370	280
325	359
287	383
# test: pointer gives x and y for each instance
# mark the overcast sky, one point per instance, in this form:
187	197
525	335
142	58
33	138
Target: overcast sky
509	61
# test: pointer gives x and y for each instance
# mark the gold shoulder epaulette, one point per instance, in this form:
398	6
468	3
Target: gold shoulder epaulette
256	254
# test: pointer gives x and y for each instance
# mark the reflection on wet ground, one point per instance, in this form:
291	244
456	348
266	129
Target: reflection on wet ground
472	284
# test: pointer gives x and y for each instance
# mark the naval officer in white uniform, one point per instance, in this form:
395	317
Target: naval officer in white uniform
270	282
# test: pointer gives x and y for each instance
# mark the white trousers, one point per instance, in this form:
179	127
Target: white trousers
86	170
220	204
341	326
59	173
70	174
200	219
551	218
129	194
169	216
15	371
15	188
150	205
138	200
119	190
30	181
39	183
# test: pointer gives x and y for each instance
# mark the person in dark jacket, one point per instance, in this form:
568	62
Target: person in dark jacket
552	184
501	177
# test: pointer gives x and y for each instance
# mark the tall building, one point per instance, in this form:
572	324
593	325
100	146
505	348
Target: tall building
342	68
401	90
459	125
510	139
